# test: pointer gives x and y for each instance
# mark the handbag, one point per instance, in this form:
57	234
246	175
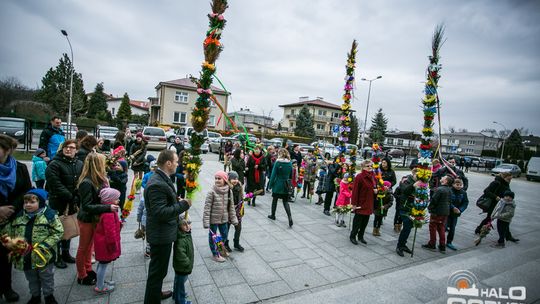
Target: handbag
484	203
139	233
70	224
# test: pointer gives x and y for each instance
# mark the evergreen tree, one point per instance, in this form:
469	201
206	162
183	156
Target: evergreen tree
513	146
55	89
98	102
353	135
379	123
304	124
124	111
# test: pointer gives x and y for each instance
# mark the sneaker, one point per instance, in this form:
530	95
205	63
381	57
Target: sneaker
50	300
238	247
363	241
326	212
106	289
429	247
498	245
451	246
218	258
353	240
86	281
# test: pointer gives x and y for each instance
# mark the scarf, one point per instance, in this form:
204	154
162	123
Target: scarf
221	190
8	176
257	171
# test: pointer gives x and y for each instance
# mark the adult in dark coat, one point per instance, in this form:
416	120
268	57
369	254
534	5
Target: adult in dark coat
239	165
407	201
270	159
295	154
449	169
52	137
137	154
329	185
14	183
495	191
256	165
62	176
279	182
162	222
87	145
362	199
388	173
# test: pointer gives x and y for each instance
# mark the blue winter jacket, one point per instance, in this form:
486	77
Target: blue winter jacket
38	168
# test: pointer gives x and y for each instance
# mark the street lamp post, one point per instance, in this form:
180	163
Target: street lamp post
367	108
70	85
502	150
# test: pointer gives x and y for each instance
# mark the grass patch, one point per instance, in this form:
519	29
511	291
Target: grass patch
21	155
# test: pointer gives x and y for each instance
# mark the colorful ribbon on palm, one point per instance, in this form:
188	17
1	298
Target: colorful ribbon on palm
379	182
199	116
429	104
346	107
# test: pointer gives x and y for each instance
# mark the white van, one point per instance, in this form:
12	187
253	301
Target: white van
533	168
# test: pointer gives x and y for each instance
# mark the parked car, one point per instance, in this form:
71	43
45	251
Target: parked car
350	147
514	169
73	130
216	144
134	128
328	150
106	132
171	135
533	169
185	133
303	148
213	135
13	127
155	138
491	163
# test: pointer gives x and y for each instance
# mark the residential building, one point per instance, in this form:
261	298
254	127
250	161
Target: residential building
325	116
408	141
137	107
468	143
251	121
532	143
175	99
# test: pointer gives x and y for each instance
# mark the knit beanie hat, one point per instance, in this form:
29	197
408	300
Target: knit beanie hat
41	194
109	195
39	151
233	175
223	175
118	150
387	184
139	134
509	193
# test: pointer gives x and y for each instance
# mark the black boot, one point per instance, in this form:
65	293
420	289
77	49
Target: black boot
253	202
67	258
50	300
11	296
237	246
288	211
60	263
227	246
274	206
34	300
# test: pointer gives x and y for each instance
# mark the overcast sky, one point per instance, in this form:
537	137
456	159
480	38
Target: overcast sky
278	50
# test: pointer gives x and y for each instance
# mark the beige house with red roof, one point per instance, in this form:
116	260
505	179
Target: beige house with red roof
175	100
137	107
325	116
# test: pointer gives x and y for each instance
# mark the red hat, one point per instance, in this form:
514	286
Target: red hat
139	134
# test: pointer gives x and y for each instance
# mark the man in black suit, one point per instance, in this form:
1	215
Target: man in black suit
163	210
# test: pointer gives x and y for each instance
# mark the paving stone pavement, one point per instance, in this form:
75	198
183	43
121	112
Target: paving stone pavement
314	262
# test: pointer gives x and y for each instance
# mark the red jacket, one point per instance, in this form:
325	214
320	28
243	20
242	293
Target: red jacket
363	195
107	237
344	197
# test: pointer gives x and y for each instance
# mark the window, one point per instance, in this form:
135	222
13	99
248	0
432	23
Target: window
292	112
322	113
212	120
471	142
181	97
469	150
400	142
320	127
112	112
180	117
336	115
390	141
292	124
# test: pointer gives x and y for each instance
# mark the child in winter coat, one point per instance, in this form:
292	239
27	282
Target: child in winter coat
141	211
118	174
344	199
218	212
39	165
182	260
398	222
238	200
40	227
320	185
458	203
439	208
383	202
294	180
107	239
504	212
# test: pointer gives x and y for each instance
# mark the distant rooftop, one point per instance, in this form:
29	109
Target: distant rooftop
186	83
314	102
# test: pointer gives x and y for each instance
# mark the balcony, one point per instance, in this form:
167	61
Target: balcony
322	118
154	103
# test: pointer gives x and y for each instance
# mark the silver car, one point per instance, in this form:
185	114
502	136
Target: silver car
155	138
107	133
514	169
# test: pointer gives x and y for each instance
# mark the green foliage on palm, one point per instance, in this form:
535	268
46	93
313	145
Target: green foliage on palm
304	124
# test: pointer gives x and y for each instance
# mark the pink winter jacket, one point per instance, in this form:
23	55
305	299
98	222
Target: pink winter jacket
344	197
107	237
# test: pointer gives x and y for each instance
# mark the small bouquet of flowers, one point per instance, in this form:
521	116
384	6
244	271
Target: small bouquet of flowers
218	242
342	209
484	231
17	247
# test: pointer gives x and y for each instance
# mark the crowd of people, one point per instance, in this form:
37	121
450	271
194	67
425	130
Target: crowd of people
79	187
